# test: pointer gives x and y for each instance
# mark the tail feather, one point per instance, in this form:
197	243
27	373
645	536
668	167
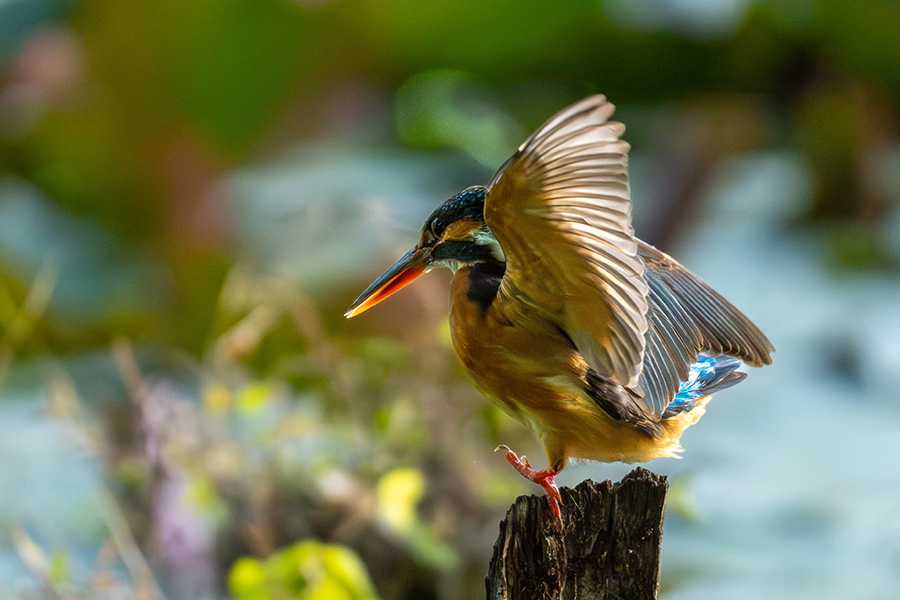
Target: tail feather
708	375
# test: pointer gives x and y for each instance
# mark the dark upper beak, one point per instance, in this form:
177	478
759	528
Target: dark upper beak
406	270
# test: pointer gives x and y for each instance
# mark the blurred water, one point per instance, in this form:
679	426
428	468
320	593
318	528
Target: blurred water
93	275
312	215
50	486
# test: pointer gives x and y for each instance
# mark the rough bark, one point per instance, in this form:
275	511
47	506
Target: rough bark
608	546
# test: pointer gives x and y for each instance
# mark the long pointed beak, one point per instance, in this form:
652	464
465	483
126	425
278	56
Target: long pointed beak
406	270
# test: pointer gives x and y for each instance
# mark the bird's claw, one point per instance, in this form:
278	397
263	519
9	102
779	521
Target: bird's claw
511	456
544	478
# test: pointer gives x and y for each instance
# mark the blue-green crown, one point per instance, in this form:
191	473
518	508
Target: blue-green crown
466	205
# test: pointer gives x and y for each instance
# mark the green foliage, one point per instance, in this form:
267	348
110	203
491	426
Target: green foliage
445	108
308	570
399	492
58	569
223	66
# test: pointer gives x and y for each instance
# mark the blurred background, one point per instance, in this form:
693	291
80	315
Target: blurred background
192	193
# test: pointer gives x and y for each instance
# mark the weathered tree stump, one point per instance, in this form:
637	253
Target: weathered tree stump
608	547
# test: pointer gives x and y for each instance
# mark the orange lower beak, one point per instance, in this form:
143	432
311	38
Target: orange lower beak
413	265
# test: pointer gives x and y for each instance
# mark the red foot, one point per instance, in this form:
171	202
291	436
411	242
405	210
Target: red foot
544	478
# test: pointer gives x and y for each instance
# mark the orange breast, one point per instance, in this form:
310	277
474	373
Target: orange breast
514	358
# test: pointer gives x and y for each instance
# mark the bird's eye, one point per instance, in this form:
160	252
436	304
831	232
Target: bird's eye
429	237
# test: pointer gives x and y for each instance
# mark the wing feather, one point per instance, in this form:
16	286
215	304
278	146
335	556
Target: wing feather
686	318
561	210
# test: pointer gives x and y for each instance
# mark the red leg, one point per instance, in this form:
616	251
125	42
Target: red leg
544	478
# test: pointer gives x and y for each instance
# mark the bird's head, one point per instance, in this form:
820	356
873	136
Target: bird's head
454	236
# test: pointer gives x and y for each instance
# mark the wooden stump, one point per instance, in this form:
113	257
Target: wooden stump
608	547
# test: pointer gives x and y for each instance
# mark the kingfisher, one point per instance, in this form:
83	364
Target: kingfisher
604	346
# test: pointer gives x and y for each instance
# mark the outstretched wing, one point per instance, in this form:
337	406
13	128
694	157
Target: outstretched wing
560	209
687	317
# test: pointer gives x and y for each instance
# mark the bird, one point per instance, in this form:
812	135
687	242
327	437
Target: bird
604	346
